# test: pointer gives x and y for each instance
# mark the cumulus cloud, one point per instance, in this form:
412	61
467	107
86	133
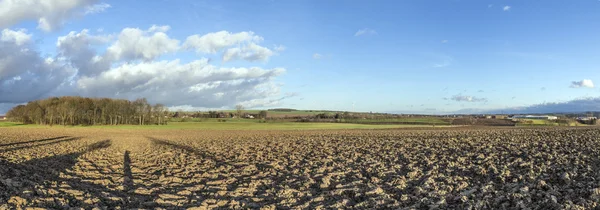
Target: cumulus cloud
365	31
506	8
134	44
242	45
96	8
19	37
128	65
250	52
317	56
217	41
77	49
24	74
586	83
464	98
49	14
196	83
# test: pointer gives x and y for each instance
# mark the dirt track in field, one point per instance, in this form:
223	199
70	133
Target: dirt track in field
452	168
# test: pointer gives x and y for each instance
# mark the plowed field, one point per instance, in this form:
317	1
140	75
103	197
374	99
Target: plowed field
454	168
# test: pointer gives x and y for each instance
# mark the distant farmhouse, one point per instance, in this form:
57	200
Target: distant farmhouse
586	118
2	117
535	117
496	116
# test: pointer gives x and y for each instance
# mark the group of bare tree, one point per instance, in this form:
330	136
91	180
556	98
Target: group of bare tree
74	110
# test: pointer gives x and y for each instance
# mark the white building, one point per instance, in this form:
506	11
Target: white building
537	117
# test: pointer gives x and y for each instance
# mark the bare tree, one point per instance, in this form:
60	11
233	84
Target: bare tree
75	110
239	109
262	114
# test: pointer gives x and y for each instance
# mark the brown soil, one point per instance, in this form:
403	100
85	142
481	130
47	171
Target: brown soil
458	168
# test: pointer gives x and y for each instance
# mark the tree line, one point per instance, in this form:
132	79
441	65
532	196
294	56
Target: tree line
74	110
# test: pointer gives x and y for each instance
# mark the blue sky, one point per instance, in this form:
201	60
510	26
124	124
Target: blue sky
384	56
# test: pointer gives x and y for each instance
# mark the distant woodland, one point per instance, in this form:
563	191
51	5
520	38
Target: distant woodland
73	110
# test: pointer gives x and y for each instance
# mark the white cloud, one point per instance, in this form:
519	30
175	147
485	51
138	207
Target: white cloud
157	28
214	42
586	83
96	8
250	52
170	82
50	14
463	98
77	49
365	31
279	48
506	8
242	45
127	66
24	74
317	56
444	41
133	44
19	37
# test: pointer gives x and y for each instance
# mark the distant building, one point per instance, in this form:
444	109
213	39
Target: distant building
586	118
536	117
2	117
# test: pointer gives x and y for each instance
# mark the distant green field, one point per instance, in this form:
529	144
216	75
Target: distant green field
536	122
282	113
419	120
234	125
540	122
5	124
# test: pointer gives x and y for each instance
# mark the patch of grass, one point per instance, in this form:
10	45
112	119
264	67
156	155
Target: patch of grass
4	124
536	122
412	120
283	113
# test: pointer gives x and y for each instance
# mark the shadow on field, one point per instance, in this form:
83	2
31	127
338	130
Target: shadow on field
32	141
39	145
237	175
42	178
128	177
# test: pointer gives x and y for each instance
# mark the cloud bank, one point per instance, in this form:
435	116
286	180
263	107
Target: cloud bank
130	65
572	106
49	14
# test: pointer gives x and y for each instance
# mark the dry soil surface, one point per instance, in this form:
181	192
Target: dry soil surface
557	168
